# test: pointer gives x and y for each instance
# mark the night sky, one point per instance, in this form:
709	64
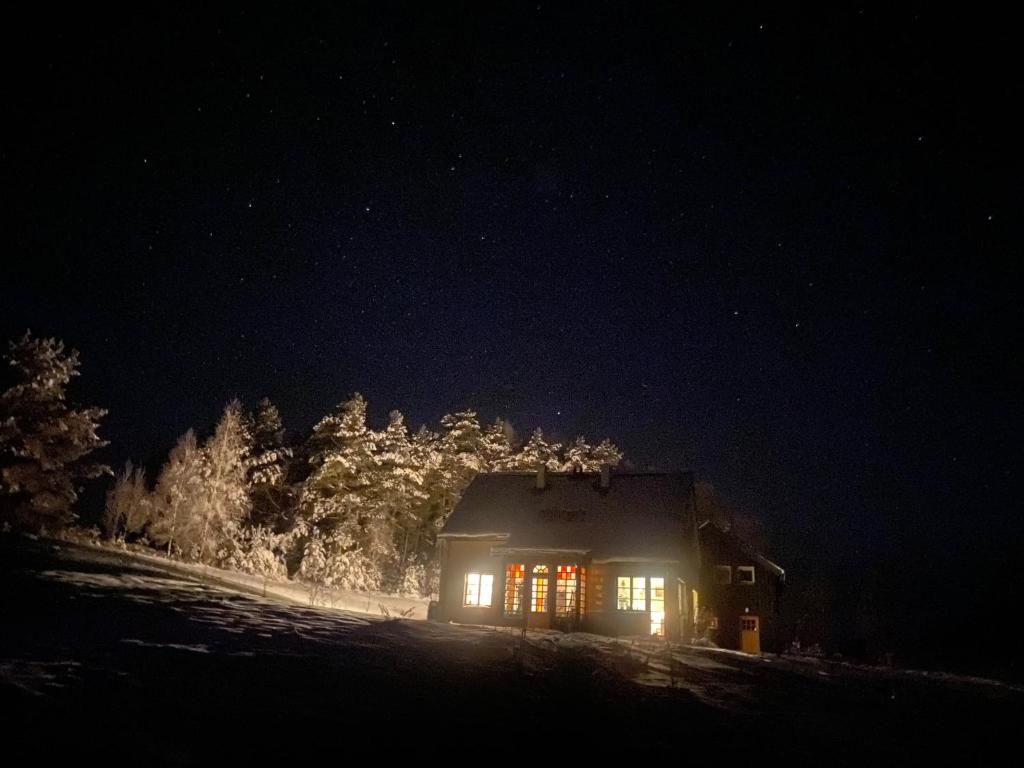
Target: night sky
773	249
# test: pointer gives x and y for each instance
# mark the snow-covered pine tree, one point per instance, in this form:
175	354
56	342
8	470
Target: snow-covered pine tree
578	457
605	452
461	452
226	489
428	513
129	504
398	492
536	452
179	499
260	552
268	455
496	446
336	496
269	459
45	445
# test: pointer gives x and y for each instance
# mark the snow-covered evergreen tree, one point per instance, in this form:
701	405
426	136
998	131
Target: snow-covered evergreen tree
461	450
268	462
129	504
496	446
226	499
578	457
258	551
268	456
336	501
429	513
45	445
398	492
605	452
537	452
179	499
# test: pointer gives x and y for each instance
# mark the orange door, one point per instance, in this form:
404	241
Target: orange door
750	634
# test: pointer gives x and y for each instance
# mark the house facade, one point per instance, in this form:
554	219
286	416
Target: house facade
611	554
614	554
742	591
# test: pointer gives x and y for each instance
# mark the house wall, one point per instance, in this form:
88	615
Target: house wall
731	601
602	614
462	556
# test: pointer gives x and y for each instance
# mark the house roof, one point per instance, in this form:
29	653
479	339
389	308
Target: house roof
639	516
709	527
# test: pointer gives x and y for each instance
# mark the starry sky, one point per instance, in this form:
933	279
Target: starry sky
775	249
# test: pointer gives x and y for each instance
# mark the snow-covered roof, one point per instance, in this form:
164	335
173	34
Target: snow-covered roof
640	515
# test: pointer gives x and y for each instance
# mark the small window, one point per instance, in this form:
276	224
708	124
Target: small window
723	574
745	574
632	593
477	591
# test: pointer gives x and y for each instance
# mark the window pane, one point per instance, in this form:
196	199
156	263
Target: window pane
623	598
658	606
565	590
539	597
472	593
486	586
639	593
515	574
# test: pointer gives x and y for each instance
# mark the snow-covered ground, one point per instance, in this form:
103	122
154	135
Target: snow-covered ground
124	658
291	591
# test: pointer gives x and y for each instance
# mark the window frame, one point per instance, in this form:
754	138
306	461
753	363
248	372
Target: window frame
657	627
566	590
515	589
723	571
480	577
746	569
540	598
633	589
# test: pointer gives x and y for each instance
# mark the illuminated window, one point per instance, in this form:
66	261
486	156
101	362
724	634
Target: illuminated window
539	594
631	594
657	606
583	591
515	577
477	591
723	574
565	590
745	574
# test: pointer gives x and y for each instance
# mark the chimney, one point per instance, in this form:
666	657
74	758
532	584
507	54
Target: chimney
541	477
606	476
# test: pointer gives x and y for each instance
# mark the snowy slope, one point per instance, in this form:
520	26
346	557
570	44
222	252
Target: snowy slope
117	658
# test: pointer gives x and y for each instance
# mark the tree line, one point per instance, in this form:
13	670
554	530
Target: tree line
351	506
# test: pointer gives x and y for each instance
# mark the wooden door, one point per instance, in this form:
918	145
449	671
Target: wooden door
538	609
750	634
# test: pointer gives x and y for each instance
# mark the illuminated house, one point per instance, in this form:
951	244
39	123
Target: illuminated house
614	554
